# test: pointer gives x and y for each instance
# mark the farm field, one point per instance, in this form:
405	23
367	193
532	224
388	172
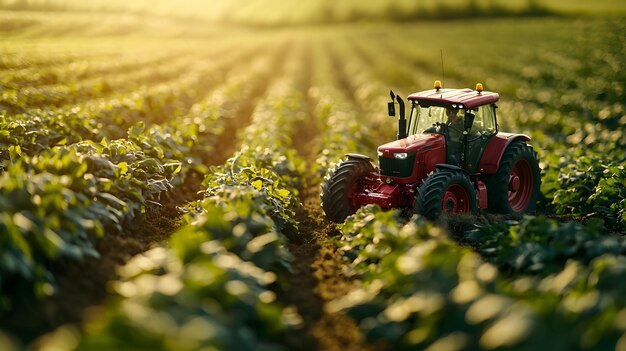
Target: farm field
160	181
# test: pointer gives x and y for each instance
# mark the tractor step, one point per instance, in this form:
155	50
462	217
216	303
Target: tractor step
385	195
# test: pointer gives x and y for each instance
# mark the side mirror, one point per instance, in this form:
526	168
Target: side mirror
469	120
391	108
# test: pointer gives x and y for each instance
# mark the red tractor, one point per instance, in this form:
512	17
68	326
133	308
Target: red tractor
451	159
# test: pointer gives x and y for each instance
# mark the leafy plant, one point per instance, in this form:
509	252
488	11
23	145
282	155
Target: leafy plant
212	299
421	290
221	265
589	187
56	204
542	246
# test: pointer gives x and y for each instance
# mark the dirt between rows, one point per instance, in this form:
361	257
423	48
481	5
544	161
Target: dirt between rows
318	278
318	271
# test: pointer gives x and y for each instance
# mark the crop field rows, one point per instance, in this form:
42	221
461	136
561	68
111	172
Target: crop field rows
169	199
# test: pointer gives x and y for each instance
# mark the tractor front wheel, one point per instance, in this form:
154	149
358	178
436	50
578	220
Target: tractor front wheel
340	187
446	191
514	188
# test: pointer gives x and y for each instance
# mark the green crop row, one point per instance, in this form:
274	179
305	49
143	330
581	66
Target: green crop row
345	121
56	204
23	98
542	246
107	183
170	299
80	69
568	273
36	132
171	83
162	73
120	176
39	130
16	58
584	187
216	286
421	290
583	309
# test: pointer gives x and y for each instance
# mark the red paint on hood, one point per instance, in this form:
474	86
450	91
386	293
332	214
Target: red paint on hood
412	143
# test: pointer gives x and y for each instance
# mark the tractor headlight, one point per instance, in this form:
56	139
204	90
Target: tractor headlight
380	153
400	155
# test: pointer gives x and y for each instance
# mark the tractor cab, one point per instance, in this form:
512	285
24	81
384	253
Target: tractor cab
465	117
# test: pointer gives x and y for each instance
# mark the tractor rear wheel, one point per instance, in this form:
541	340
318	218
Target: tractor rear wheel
515	187
446	191
340	187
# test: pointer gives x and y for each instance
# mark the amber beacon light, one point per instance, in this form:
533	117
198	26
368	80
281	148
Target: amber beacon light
437	85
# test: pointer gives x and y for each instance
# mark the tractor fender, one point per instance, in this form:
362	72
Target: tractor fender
490	161
359	157
449	167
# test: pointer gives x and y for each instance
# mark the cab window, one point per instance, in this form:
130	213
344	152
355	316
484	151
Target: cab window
423	118
484	120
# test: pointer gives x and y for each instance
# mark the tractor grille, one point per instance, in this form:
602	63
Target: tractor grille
392	167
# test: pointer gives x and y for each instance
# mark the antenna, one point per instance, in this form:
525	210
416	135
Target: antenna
443	75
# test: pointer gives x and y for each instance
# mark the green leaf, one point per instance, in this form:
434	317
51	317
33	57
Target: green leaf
257	184
112	200
23	222
283	193
123	167
137	130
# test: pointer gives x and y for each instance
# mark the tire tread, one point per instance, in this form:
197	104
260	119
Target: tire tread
337	183
498	183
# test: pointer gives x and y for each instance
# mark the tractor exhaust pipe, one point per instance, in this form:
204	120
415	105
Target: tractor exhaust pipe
402	119
392	113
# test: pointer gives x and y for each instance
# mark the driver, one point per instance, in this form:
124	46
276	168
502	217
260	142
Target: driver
455	134
454	120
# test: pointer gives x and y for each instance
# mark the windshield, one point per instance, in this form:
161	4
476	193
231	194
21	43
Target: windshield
423	118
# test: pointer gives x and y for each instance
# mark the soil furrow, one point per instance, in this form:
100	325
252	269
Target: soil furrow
341	79
242	116
317	276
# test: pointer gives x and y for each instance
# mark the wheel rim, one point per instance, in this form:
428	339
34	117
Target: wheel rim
520	186
455	200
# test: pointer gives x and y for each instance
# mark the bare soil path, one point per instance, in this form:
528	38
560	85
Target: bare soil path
317	276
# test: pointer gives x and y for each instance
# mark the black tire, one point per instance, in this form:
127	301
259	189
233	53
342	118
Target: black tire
339	184
434	194
520	160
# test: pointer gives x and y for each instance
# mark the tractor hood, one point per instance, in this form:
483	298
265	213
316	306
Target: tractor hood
411	144
406	160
